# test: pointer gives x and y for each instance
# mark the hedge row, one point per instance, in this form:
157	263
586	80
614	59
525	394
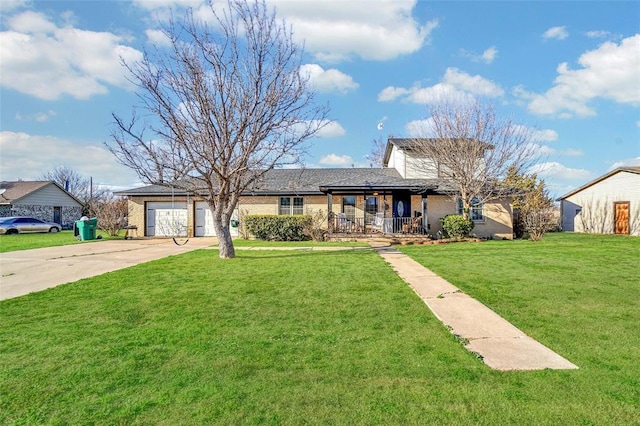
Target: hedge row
278	227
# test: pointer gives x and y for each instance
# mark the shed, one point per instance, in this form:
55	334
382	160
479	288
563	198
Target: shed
45	200
609	204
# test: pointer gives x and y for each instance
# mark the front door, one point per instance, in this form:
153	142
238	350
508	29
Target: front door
401	206
57	215
621	225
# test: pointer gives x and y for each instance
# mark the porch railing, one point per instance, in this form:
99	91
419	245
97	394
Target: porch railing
341	224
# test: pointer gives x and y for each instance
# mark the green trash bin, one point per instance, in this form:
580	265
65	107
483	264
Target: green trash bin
87	229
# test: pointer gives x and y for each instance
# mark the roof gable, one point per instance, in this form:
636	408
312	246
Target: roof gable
632	169
15	191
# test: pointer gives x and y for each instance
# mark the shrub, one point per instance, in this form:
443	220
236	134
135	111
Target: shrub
456	226
277	227
315	226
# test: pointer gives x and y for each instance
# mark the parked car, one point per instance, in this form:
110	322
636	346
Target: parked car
24	225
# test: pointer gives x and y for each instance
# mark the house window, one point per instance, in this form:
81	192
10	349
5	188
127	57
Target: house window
371	207
349	207
475	212
291	205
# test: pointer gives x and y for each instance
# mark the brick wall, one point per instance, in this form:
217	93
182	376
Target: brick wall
496	223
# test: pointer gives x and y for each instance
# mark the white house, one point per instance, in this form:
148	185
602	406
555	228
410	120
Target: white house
609	204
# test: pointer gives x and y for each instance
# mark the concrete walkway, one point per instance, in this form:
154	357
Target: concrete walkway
500	344
27	271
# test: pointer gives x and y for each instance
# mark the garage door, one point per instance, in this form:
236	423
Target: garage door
167	219
204	222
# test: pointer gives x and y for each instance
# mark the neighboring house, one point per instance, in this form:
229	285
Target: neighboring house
392	199
44	200
607	205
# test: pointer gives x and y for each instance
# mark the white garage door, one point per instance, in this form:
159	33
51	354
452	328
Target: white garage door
167	219
204	222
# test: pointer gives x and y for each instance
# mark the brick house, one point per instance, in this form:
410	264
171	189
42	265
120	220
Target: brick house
398	198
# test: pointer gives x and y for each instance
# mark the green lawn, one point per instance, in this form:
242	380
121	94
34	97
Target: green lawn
310	337
32	241
239	242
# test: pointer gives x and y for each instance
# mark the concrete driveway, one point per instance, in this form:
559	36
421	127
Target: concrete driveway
28	271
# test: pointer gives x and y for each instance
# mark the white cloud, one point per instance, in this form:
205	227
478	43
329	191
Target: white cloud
546	135
597	34
488	56
40	117
572	152
326	81
419	128
392	93
44	60
166	4
558	33
335	160
628	162
472	84
610	72
331	129
455	84
28	157
9	5
539	135
558	172
337	30
333	31
158	38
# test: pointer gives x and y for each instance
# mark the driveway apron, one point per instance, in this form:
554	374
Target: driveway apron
26	271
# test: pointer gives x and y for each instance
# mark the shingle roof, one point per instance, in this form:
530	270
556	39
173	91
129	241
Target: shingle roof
15	190
314	182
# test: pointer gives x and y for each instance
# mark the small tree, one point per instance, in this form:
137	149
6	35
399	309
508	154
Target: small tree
471	149
111	212
230	104
535	212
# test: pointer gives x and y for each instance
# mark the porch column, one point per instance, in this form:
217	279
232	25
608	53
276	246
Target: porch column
329	212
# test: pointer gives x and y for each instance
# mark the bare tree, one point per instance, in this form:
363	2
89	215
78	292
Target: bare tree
111	212
471	149
77	185
376	156
229	103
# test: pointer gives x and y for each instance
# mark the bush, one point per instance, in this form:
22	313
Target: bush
278	227
456	226
315	226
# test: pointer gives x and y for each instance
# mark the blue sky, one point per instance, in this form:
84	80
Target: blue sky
569	69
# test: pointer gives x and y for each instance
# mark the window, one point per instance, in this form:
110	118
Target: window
291	205
475	212
371	207
349	207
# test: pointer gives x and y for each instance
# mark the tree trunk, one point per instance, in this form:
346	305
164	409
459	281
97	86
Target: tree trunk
227	251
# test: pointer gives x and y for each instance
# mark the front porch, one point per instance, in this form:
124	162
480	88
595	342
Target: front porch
376	224
370	213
